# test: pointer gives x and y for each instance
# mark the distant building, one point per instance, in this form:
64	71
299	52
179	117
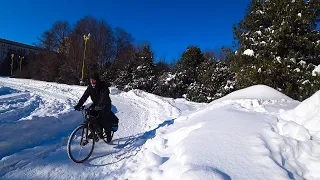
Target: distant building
16	48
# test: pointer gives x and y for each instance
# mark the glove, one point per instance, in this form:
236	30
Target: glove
77	108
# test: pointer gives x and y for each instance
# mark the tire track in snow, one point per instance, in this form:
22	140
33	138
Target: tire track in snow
58	99
17	106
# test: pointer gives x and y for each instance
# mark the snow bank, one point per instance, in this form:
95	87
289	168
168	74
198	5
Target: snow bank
300	132
305	116
261	92
219	141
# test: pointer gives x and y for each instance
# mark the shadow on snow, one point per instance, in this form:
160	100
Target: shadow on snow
127	147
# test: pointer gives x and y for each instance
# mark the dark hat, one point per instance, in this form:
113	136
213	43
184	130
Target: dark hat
95	76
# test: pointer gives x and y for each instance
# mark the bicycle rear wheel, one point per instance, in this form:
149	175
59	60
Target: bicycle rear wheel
80	147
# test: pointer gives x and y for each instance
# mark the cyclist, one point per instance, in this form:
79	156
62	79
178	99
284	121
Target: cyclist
99	94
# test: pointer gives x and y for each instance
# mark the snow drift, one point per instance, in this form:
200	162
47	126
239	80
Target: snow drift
300	131
224	140
261	92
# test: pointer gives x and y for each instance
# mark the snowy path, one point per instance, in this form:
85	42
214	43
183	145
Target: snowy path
138	112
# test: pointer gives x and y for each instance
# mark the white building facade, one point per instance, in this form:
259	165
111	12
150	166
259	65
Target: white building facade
16	48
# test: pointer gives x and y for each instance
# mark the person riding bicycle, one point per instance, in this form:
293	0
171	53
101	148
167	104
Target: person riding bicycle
99	93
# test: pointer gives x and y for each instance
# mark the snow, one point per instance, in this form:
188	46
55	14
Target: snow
252	133
248	52
316	71
260	92
302	63
259	33
299	131
259	12
305	81
259	70
170	77
297	70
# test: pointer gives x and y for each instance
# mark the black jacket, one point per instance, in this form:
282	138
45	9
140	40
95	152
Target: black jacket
99	96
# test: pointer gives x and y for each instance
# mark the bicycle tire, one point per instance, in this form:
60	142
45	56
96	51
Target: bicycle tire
81	127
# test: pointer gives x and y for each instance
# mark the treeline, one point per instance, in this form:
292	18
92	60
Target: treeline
278	45
123	64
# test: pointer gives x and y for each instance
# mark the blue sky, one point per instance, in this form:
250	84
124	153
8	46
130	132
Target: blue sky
168	25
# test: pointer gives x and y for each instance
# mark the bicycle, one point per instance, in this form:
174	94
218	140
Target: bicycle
89	126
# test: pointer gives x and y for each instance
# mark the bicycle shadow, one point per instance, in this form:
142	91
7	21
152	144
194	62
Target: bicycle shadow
128	147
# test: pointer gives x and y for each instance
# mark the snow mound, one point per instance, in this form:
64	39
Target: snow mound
261	92
300	131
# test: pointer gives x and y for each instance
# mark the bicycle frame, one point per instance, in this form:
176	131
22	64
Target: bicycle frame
89	122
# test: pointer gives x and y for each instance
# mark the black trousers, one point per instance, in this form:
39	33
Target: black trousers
107	119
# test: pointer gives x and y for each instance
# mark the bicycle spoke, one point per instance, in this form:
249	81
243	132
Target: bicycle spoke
80	146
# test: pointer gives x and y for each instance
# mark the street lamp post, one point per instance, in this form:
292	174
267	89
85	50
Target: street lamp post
85	38
12	56
21	58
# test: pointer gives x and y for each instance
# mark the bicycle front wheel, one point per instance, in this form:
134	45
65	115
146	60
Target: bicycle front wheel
80	147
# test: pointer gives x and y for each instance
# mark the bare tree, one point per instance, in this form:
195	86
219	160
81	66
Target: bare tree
54	38
211	55
100	47
123	40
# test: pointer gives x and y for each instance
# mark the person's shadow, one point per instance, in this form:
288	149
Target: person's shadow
114	109
126	147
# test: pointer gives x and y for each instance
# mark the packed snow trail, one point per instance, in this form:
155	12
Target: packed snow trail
52	120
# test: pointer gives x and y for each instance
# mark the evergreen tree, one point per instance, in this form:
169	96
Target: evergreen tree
190	59
280	28
171	84
139	72
215	80
197	78
143	75
281	34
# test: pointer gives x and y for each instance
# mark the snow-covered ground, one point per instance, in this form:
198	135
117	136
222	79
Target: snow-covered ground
253	133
